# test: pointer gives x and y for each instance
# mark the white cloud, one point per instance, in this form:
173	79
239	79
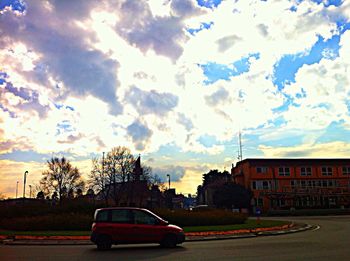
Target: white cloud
321	91
126	62
334	149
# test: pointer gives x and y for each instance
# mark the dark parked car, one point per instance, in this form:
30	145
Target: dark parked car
126	225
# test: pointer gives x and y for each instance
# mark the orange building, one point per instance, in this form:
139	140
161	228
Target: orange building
295	183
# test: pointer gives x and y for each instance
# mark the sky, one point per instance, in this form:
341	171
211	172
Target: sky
174	81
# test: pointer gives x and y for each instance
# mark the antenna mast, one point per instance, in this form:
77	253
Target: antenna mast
240	154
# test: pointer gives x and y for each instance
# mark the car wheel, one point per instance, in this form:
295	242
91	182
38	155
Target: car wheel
169	241
104	243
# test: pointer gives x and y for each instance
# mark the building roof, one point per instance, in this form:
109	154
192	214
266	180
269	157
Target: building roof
294	161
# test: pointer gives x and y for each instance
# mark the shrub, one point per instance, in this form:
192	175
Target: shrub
49	222
202	218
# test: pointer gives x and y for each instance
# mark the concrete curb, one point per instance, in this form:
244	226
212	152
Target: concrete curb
190	237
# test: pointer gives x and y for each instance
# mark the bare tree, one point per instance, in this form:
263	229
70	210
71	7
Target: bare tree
152	179
109	174
114	176
100	179
61	177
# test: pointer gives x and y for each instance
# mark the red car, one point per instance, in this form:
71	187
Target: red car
126	225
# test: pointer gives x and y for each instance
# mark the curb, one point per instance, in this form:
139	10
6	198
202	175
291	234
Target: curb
190	237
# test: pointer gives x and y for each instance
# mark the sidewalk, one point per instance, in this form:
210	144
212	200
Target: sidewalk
192	236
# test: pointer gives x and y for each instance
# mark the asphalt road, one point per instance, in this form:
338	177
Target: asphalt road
330	242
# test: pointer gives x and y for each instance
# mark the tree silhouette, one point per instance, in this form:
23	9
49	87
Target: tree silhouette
61	177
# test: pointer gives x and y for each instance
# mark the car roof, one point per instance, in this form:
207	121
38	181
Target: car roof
122	208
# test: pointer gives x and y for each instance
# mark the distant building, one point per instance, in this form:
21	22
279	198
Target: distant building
295	183
133	192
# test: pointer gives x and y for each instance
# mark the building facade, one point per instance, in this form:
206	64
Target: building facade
295	183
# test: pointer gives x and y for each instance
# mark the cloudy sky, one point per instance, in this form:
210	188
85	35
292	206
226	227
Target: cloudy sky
174	81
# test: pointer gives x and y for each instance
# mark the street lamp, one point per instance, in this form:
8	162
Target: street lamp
17	188
24	183
168	179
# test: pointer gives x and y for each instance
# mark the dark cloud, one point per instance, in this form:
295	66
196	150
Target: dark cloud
175	172
21	143
295	154
71	139
151	102
140	134
185	8
50	30
182	119
263	29
29	100
139	27
227	42
217	97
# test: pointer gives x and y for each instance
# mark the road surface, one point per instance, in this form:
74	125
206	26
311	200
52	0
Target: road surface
330	242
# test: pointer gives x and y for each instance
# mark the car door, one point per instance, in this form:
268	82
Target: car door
122	225
146	228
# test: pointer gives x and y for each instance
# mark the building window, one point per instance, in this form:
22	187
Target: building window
326	171
281	202
261	169
261	184
259	202
283	171
305	171
265	185
346	170
254	185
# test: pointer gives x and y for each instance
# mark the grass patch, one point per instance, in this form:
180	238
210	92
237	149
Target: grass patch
249	224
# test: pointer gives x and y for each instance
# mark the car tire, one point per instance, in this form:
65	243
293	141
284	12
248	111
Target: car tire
169	241
104	243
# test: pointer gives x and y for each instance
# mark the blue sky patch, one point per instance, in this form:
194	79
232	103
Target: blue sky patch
287	67
334	132
203	26
70	108
209	3
17	5
2	77
64	126
60	106
215	72
25	156
208	141
327	3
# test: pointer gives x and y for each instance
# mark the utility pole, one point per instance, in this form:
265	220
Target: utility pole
24	183
17	188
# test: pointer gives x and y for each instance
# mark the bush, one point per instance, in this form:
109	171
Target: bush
202	218
49	222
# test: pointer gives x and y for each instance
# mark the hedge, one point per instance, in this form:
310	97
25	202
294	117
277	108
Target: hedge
201	218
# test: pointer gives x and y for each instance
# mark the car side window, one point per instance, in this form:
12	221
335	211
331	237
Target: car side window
122	216
144	218
102	216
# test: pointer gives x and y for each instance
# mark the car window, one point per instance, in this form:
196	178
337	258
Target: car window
122	216
141	217
102	216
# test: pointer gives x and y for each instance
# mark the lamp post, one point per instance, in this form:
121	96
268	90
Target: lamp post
168	179
17	188
24	183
